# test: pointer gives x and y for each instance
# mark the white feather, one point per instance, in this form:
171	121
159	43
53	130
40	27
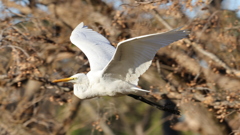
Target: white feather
115	72
134	56
96	47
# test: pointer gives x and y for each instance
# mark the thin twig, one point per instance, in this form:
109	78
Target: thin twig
158	66
160	19
205	26
215	58
20	15
19	31
12	46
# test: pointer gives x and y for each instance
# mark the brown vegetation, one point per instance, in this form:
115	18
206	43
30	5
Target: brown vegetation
200	74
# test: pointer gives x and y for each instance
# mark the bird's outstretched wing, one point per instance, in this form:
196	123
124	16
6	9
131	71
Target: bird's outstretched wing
134	56
97	48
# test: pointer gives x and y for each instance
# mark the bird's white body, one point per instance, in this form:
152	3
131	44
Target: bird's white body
95	84
115	72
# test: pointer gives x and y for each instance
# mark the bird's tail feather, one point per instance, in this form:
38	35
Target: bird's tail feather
139	89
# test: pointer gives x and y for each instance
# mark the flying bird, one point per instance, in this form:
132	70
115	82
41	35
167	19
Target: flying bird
115	71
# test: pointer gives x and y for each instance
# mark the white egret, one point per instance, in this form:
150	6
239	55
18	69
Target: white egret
115	71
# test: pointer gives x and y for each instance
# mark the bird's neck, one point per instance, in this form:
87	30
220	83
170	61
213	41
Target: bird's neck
81	86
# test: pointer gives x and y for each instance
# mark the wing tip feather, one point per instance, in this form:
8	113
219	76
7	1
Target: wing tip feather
187	32
80	26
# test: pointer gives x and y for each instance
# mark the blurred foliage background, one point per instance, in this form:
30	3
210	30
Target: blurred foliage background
199	74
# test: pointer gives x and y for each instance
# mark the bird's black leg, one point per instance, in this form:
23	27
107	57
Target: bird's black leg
160	107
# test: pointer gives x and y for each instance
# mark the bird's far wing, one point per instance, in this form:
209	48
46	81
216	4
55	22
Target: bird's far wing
97	48
134	56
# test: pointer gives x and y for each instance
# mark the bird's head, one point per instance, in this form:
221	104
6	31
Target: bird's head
77	78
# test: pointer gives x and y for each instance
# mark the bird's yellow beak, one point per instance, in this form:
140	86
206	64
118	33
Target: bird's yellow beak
63	80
